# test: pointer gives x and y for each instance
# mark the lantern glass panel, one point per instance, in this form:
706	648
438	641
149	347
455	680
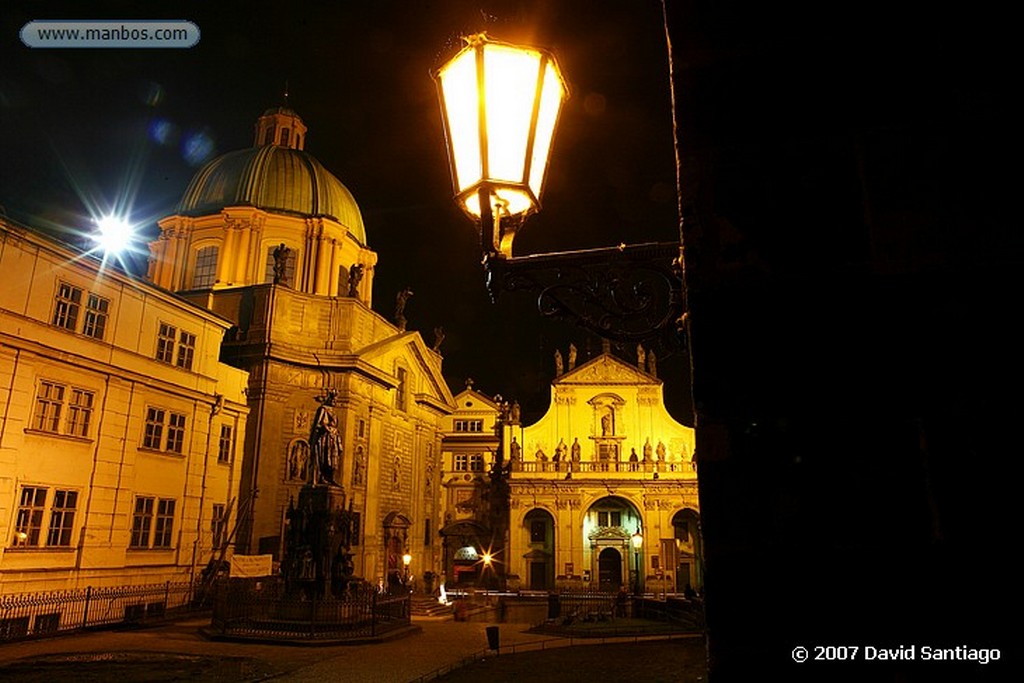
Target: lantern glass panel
459	89
511	88
547	114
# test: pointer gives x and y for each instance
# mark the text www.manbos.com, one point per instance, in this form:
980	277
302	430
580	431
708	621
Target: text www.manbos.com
46	33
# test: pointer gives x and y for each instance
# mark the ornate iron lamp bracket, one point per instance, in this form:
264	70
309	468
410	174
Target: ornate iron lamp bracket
628	294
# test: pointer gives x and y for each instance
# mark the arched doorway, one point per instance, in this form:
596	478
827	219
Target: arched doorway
539	532
609	569
608	525
685	531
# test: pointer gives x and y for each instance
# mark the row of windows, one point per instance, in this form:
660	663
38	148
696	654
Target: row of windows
204	274
67	312
68	410
469	425
173	346
152	520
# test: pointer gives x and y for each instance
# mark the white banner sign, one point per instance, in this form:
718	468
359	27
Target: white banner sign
251	566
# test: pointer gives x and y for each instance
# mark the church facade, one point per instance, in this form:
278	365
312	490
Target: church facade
603	488
269	239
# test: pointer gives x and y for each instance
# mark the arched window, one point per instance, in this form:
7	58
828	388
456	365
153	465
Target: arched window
205	272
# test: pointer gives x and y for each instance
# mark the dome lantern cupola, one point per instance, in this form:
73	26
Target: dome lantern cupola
280	126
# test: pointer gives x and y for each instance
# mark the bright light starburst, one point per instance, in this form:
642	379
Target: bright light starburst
113	235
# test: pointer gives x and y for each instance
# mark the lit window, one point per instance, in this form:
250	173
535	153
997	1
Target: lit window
69	302
29	522
152	523
62	518
205	272
165	343
186	350
226	444
97	309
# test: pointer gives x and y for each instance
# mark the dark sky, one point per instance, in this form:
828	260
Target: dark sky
80	126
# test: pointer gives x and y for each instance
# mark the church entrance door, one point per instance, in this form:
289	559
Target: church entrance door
609	569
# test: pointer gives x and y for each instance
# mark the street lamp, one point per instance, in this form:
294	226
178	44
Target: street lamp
500	104
406	560
638	540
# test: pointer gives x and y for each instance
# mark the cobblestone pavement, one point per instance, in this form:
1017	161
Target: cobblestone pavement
178	652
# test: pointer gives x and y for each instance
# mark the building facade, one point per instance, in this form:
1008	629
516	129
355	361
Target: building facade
120	429
271	240
606	463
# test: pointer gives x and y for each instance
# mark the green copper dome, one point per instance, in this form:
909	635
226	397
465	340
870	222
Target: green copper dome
274	178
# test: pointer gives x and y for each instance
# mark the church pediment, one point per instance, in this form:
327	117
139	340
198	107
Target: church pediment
410	347
609	533
605	370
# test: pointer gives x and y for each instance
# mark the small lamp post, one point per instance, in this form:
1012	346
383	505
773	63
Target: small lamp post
406	560
500	104
638	541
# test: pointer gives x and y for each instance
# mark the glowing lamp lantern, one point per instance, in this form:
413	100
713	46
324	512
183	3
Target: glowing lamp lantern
500	104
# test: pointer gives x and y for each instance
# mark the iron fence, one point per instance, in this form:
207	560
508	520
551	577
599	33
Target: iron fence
265	610
28	615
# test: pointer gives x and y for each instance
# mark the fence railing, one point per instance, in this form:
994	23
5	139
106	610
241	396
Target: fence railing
265	610
28	615
602	466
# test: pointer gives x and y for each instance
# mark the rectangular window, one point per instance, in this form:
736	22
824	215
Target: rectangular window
79	412
162	534
142	521
49	404
362	429
69	302
205	272
226	444
186	350
62	518
29	522
97	309
682	532
476	462
154	434
175	432
153	523
426	532
616	518
461	460
219	525
602	519
164	430
538	531
165	343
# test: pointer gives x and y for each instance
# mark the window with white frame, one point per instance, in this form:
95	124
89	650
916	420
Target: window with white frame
165	337
61	409
461	462
33	504
476	462
205	272
164	430
152	523
469	425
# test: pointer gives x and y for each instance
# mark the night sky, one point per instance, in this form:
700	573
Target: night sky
81	127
